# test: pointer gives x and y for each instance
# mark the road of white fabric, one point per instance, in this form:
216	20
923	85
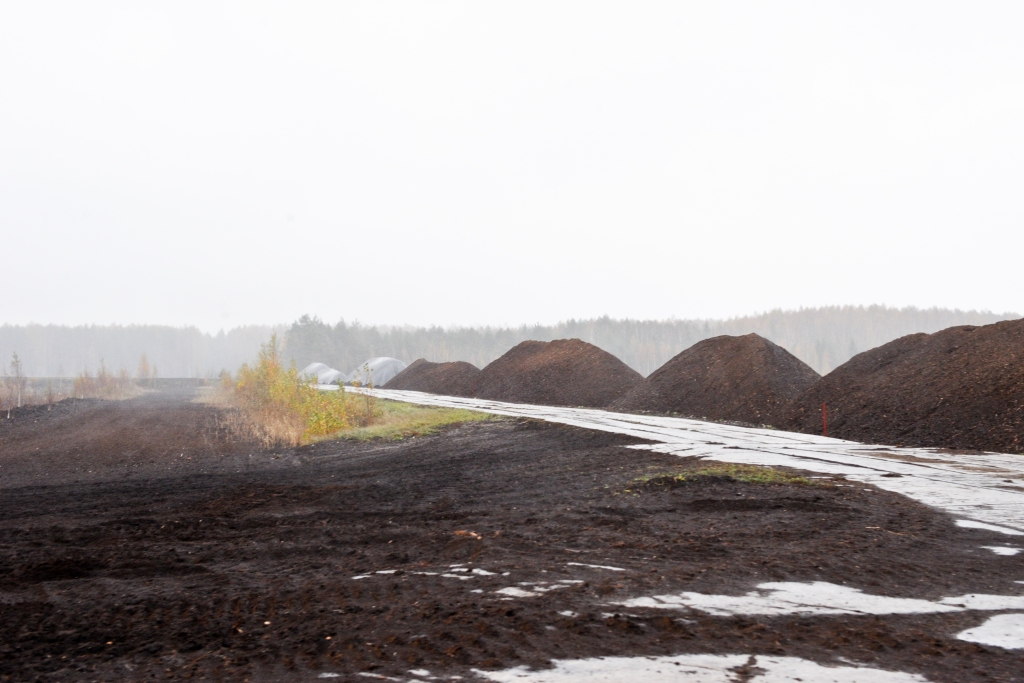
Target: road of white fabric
984	490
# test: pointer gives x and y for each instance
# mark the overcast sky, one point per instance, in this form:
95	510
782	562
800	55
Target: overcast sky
220	164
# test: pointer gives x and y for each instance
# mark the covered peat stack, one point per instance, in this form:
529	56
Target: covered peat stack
743	379
960	388
447	379
564	372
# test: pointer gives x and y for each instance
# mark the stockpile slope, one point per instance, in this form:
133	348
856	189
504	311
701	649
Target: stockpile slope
743	379
564	372
447	379
962	387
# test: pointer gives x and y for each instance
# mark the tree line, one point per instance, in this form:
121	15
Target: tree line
822	337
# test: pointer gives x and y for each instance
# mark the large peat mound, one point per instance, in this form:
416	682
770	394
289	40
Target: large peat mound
960	388
744	379
448	379
564	372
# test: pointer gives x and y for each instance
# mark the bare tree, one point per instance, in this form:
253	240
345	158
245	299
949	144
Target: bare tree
143	372
18	378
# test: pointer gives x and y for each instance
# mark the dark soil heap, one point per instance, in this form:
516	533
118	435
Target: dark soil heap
743	379
447	379
564	372
959	388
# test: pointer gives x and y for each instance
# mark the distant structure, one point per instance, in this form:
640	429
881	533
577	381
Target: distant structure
376	371
323	374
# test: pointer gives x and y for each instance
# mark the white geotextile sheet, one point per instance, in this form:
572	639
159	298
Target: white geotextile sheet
986	487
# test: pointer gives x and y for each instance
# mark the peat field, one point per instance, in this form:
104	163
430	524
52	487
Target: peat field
137	543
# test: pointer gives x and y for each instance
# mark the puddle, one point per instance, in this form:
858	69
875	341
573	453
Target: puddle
819	598
1003	630
697	669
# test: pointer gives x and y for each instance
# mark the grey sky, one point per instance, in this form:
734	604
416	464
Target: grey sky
220	164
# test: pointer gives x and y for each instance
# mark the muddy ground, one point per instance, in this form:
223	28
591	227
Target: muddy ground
212	560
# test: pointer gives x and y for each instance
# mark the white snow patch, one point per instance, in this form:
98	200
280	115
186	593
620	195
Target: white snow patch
419	672
534	590
1003	630
1001	549
972	524
595	566
464	577
696	669
361	576
819	597
386	571
483	572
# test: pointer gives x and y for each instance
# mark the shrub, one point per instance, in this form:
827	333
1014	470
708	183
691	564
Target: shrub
279	408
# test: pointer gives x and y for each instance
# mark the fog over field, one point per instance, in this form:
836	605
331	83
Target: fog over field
734	291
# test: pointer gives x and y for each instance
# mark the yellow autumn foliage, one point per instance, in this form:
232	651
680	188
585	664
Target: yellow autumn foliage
281	407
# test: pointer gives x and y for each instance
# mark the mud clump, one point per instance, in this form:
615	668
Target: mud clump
959	388
448	379
744	379
564	372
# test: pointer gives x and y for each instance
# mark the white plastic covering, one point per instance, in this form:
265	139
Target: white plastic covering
313	370
324	374
377	371
332	376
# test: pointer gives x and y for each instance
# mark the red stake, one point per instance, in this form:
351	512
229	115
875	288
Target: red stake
824	420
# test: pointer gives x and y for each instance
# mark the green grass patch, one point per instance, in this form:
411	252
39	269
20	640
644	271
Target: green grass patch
395	420
748	474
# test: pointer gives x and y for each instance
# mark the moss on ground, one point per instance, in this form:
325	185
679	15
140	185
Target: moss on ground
749	474
395	420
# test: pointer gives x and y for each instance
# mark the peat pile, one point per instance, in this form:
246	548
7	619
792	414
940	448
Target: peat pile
962	387
564	372
448	379
743	379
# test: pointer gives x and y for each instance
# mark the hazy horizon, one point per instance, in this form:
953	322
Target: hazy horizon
822	337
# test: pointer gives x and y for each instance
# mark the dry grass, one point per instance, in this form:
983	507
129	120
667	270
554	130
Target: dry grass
273	406
389	421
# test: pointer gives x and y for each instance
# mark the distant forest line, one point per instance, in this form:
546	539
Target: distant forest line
824	338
